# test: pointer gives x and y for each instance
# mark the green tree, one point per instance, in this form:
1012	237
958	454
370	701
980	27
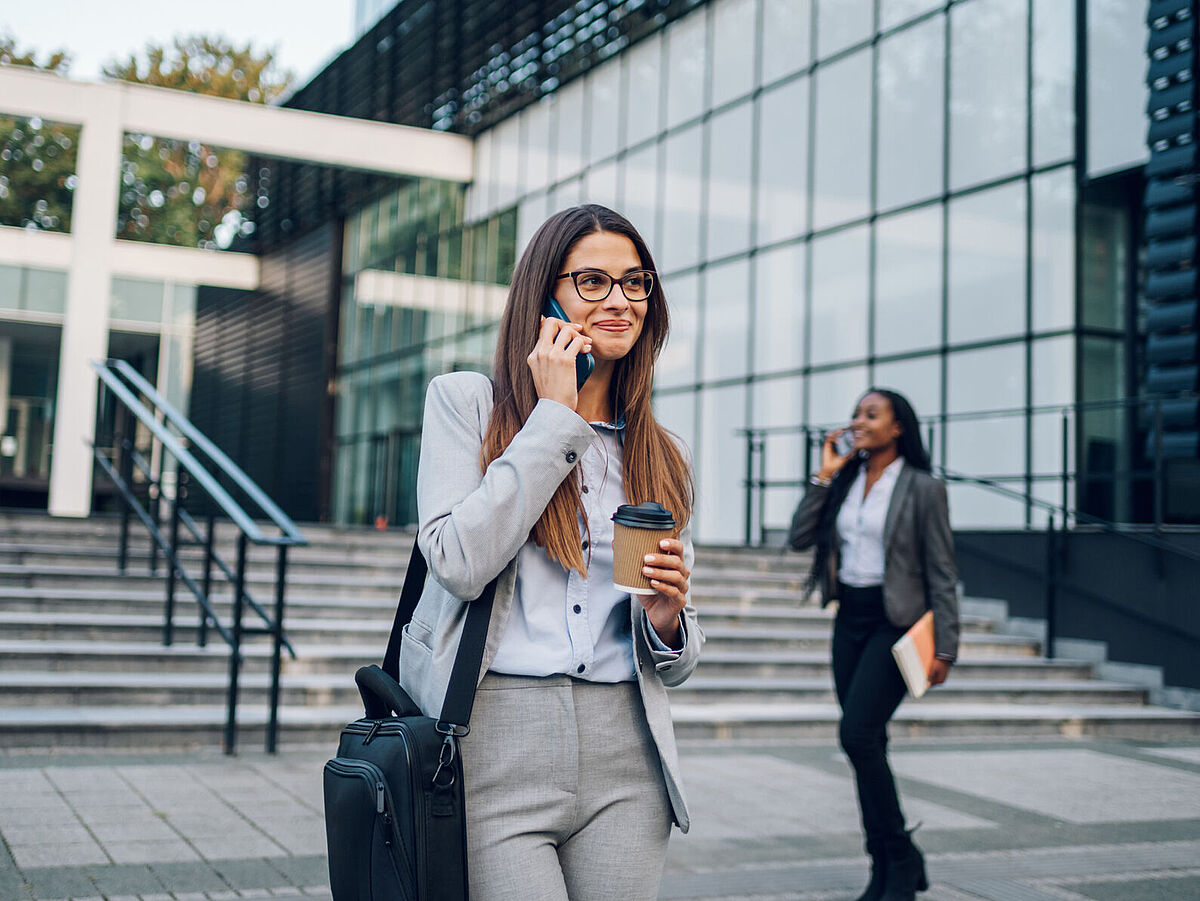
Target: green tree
37	158
185	192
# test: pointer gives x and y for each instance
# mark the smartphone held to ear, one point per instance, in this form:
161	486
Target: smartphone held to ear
584	363
844	444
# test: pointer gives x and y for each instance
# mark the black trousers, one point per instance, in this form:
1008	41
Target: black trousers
869	689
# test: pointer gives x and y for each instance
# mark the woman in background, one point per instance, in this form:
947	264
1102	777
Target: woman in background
881	529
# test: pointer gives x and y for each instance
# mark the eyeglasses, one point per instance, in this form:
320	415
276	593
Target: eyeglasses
595	285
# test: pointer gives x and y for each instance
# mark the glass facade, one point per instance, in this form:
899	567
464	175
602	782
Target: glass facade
839	193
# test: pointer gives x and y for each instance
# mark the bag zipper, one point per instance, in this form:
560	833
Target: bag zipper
373	776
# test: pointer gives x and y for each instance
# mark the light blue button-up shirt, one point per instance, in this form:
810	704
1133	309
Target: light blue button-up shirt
565	623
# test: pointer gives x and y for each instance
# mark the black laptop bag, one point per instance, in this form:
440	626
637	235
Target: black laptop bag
395	805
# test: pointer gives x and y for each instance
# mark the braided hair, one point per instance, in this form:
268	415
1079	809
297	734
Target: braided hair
908	445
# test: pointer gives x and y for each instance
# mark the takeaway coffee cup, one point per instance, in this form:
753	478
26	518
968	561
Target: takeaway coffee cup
637	530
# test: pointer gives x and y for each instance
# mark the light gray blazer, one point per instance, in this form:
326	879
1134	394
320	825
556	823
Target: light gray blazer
919	571
472	524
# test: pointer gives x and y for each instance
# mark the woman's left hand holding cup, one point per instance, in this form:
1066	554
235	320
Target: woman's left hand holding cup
669	578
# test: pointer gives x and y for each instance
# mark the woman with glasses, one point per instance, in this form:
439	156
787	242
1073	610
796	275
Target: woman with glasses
571	769
879	522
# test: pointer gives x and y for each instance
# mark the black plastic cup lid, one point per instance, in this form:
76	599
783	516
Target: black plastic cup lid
649	515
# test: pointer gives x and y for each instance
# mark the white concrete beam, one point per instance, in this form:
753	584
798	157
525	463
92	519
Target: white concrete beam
267	130
134	259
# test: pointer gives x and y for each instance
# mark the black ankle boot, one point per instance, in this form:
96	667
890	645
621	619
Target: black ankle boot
874	890
905	870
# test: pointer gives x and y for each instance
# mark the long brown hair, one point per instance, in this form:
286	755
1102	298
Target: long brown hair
653	467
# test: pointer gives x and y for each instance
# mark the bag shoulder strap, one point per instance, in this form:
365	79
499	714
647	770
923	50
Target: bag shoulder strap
460	694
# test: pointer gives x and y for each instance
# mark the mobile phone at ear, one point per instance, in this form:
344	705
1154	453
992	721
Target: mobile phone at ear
845	443
584	363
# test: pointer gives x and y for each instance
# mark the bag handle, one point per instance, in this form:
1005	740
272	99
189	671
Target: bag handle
460	694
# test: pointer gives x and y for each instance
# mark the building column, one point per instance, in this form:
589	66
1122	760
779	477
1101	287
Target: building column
85	326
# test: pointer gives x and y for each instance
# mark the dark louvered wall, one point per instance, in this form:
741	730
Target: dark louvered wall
263	362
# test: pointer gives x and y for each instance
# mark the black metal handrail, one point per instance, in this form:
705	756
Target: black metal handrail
127	387
1059	515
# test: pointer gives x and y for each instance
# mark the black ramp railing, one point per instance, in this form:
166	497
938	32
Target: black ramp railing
137	404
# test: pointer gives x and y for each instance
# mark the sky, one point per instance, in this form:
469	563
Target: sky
305	34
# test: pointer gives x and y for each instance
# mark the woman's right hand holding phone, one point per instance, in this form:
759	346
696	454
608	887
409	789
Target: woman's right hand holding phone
831	460
552	360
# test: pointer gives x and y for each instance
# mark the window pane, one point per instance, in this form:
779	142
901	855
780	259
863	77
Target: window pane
687	59
600	185
1053	81
726	320
989	379
643	72
507	148
1052	382
908	281
987	90
780	402
568	128
641	195
729	181
677	414
843	141
987	264
537	145
893	12
1054	249
681	200
46	292
779	309
786	29
479	194
720	497
531	214
1106	250
1116	85
783	161
841	23
920	380
911	100
833	394
604	84
733	49
132	299
839	296
677	362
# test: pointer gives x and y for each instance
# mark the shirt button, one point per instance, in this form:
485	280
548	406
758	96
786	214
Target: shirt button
577	609
585	489
585	545
572	456
581	668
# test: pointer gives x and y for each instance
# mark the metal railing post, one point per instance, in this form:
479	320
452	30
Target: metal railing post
762	491
209	535
1051	586
1158	467
749	482
154	496
807	456
169	610
235	651
276	648
126	508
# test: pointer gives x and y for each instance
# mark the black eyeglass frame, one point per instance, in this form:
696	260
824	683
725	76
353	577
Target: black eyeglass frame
574	277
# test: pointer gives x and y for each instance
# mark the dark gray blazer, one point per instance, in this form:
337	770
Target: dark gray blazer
919	572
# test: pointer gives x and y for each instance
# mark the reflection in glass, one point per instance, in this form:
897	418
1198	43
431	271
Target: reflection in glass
842	23
779	309
729	182
720	499
1053	81
893	12
536	118
1116	85
681	200
782	161
992	378
1054	249
600	185
911	97
1052	381
733	50
676	412
507	148
677	362
1103	432
780	402
726	320
133	300
640	205
531	214
841	183
839	296
1105	260
687	62
786	27
988	88
568	127
643	74
604	117
908	281
920	380
833	394
46	292
987	264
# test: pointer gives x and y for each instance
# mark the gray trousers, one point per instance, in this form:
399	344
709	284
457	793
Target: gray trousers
565	792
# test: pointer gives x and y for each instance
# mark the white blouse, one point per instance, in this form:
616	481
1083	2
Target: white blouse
860	524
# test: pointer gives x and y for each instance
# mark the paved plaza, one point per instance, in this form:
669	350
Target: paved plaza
1078	820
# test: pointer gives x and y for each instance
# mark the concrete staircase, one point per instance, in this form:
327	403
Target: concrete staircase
82	664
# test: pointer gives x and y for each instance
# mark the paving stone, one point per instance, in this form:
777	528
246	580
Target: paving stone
188	876
154	851
58	883
125	879
53	854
